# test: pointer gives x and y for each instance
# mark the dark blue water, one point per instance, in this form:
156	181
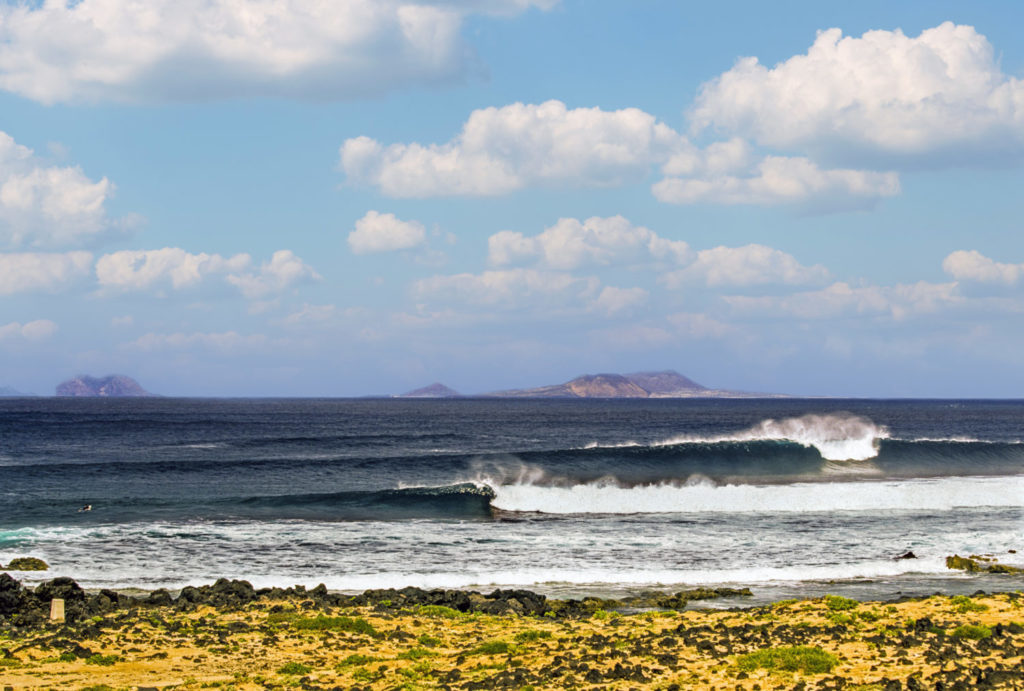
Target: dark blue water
542	493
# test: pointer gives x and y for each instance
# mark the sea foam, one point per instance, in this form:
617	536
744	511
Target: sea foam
606	496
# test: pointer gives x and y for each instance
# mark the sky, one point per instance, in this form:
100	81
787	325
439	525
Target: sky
360	197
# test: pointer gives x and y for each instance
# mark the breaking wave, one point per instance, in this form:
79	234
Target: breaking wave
838	437
699	495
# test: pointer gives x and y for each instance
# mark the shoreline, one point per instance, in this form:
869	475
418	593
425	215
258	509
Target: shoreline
231	636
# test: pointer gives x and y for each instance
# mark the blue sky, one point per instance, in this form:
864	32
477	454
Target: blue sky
307	198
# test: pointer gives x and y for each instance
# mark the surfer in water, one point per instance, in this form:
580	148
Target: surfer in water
87	507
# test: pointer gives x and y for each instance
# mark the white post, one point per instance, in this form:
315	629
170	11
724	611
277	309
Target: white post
57	609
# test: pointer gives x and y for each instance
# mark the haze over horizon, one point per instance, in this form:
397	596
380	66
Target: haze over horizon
341	199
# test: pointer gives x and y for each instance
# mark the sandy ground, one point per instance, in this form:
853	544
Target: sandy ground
914	644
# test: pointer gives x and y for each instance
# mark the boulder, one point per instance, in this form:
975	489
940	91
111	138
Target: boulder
27	564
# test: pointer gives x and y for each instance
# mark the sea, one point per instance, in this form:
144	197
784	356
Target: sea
570	498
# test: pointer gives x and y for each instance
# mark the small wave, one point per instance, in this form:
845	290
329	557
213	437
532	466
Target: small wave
701	496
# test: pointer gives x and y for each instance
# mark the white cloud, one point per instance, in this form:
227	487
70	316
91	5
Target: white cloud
504	149
50	206
570	244
613	301
843	300
311	314
38	330
225	342
43	272
940	93
173	267
282	271
971	265
694	325
98	50
782	180
377	232
745	266
508	289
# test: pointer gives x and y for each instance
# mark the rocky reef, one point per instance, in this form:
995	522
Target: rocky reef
977	563
231	635
26	564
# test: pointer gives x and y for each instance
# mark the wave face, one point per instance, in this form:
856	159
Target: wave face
836	437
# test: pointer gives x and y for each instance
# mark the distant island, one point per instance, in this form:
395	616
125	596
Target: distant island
664	384
8	392
110	386
435	390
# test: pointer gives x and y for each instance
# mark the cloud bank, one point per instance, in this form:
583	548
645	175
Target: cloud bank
187	50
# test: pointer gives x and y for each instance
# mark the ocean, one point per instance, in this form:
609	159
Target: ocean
565	497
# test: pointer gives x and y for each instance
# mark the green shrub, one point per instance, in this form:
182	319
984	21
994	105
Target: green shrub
491	648
322	623
428	641
294	668
799	658
531	635
975	632
439	611
415	654
102	660
838	602
964	604
355	660
67	656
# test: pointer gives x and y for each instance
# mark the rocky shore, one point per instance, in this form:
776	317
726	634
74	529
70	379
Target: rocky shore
231	636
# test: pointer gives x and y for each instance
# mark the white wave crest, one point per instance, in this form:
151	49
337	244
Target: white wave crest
837	437
606	496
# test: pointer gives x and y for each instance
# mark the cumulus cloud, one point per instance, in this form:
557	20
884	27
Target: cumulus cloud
38	330
745	266
612	300
173	267
282	271
28	272
170	266
942	92
571	244
843	300
971	265
782	180
500	150
160	50
377	232
50	206
508	289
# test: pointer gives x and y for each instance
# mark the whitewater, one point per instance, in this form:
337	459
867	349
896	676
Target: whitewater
565	497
